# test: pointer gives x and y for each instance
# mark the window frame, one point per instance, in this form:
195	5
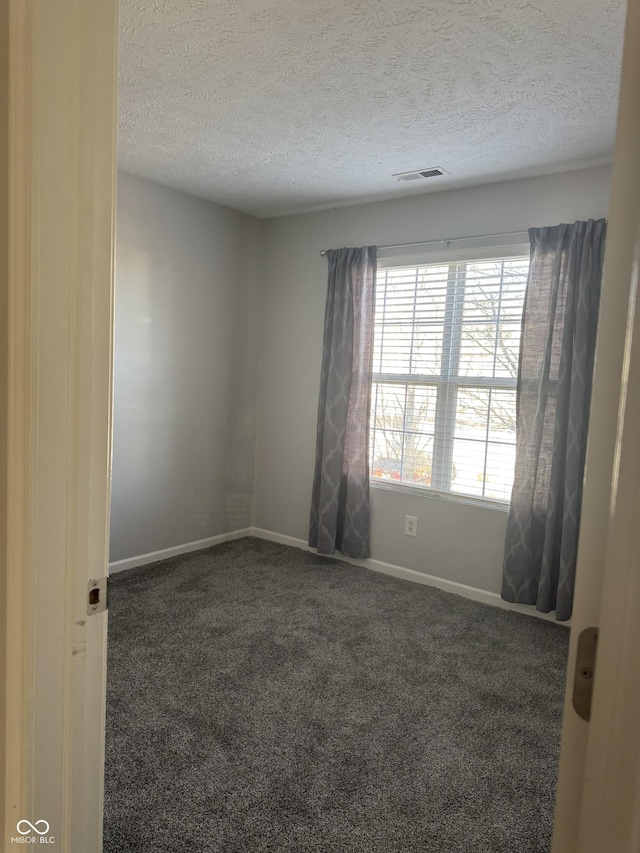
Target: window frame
448	380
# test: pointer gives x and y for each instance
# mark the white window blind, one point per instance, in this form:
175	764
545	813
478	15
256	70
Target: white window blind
446	345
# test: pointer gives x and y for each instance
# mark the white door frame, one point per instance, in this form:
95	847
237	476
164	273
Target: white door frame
610	808
595	810
61	166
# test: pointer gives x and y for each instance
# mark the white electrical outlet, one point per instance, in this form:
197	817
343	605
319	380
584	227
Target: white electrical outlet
410	525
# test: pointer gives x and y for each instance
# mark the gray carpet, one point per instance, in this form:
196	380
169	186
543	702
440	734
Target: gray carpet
261	698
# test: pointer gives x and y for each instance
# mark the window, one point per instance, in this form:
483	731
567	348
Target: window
446	346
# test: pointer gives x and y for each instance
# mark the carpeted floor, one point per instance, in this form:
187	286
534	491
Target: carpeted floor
261	698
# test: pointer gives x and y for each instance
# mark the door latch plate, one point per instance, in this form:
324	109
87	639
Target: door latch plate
585	672
96	596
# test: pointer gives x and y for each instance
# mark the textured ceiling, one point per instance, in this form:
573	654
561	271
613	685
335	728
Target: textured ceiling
280	106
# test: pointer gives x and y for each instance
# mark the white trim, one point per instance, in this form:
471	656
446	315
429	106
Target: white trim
471	592
597	802
427	492
466	251
18	564
176	550
62	58
610	804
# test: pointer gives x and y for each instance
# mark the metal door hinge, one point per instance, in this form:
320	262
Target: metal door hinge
585	672
97	595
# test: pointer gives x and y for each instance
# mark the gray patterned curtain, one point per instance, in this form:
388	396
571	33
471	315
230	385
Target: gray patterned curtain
340	500
554	391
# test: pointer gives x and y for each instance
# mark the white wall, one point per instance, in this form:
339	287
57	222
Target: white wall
187	293
455	541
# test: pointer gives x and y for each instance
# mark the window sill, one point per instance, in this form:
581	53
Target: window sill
431	494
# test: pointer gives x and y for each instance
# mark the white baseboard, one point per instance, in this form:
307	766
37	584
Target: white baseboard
165	553
465	591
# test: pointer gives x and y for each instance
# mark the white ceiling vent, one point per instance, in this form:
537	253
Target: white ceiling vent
433	172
